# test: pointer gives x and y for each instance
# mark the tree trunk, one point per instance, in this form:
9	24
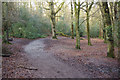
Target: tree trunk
77	11
100	31
53	15
7	35
72	34
53	29
119	30
110	52
115	24
3	23
103	21
111	12
77	32
53	19
7	24
88	28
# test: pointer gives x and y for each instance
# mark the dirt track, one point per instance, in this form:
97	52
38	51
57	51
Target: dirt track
59	59
48	66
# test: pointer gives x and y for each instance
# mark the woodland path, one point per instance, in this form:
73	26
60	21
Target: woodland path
48	66
58	59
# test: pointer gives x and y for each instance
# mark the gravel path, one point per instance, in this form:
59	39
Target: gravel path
48	66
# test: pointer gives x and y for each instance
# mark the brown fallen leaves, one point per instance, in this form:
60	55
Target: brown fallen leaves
9	64
90	59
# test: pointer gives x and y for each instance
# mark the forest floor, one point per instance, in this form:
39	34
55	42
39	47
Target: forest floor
59	59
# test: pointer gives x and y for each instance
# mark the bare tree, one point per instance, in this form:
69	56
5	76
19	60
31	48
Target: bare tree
53	15
77	14
87	10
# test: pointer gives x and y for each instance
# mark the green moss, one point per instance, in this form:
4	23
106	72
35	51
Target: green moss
109	33
62	34
54	37
110	55
77	47
6	42
89	44
105	41
72	37
110	52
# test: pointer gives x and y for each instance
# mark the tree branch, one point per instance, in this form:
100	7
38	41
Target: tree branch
81	3
60	6
76	4
89	16
57	16
83	9
91	6
46	8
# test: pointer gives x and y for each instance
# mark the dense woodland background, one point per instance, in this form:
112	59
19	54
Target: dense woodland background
82	38
71	19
